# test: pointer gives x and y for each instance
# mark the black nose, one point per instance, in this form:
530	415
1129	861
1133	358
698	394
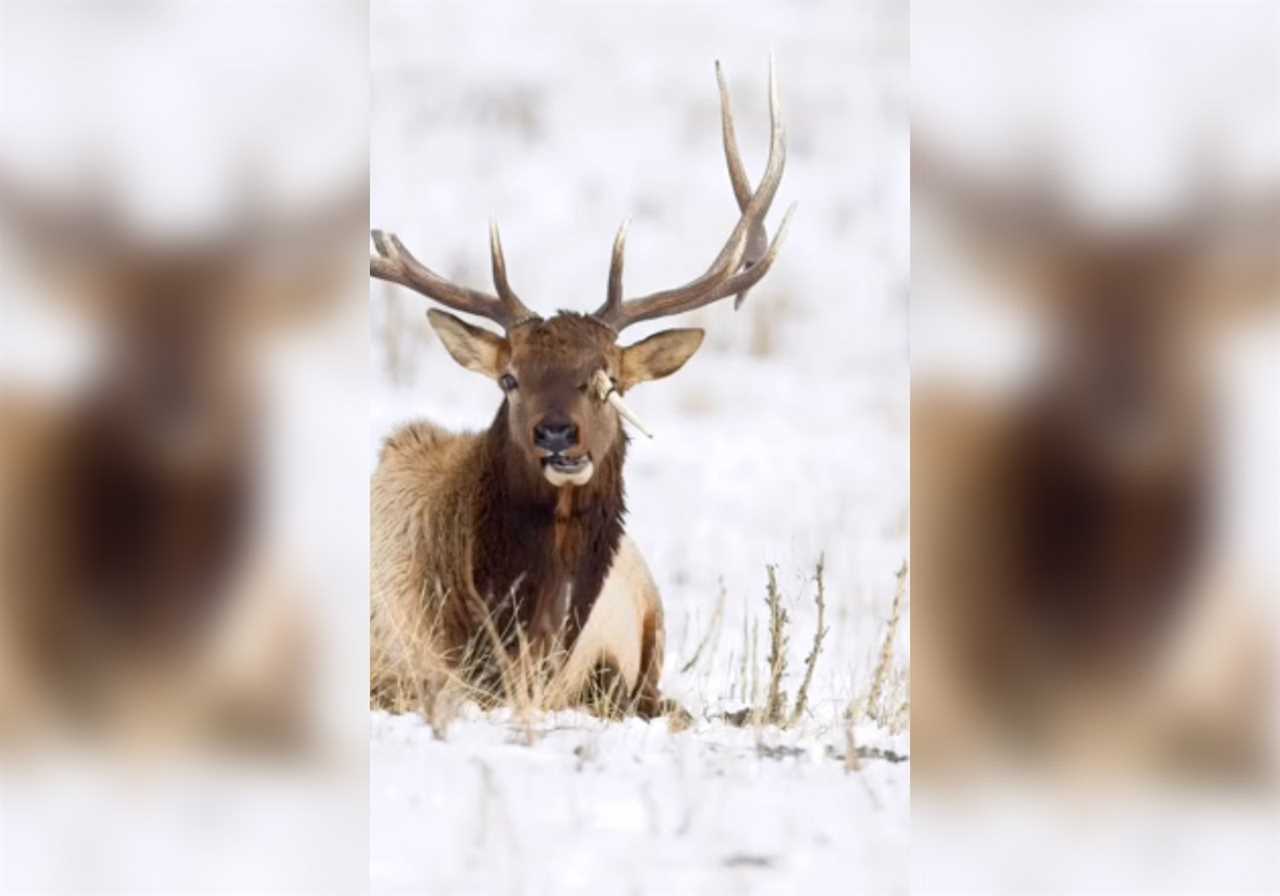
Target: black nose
555	435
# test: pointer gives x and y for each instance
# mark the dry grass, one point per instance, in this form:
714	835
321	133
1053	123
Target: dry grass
503	669
819	634
852	761
498	667
775	709
769	317
713	631
403	333
886	701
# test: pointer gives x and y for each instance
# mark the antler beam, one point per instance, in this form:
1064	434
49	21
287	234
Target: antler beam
743	259
396	264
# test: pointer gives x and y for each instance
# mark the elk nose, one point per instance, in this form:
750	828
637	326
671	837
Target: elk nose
555	435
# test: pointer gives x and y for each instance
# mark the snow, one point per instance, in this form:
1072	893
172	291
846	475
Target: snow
629	805
784	438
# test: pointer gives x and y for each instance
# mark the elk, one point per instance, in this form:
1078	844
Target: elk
135	600
515	534
1067	600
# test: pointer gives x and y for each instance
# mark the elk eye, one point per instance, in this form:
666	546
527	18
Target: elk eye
507	382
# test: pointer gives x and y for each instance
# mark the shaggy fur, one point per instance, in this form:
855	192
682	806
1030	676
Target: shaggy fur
463	528
1051	594
478	558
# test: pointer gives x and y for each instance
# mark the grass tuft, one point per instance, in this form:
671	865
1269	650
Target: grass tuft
819	634
775	708
504	669
882	703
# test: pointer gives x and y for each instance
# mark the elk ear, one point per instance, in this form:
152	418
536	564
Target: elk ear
473	347
662	354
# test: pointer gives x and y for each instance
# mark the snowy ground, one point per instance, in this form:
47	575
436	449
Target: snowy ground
784	438
631	807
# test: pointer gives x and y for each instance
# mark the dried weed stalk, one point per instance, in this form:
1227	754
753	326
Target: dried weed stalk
775	708
819	634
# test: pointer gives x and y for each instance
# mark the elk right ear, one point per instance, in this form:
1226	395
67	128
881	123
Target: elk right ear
662	354
473	347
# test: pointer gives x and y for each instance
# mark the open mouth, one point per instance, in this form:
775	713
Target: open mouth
561	469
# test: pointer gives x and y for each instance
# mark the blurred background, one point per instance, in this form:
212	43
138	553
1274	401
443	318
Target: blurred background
183	206
186	338
1095	266
784	438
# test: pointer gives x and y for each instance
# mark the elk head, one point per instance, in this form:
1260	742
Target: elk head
179	322
1130	312
563	377
1109	456
153	477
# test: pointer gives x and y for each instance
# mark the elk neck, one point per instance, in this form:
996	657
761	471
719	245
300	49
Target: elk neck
544	552
154	546
1102	547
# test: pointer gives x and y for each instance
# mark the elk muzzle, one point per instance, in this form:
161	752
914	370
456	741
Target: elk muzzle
556	436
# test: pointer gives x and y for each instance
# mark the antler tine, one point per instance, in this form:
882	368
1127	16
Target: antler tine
749	276
510	301
738	284
757	238
613	302
725	269
737	170
396	264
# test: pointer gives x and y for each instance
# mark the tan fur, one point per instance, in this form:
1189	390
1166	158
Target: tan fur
420	552
986	686
239	680
417	483
1069	602
615	630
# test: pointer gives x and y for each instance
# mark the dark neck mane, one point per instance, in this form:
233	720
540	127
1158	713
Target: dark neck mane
1100	548
542	552
154	549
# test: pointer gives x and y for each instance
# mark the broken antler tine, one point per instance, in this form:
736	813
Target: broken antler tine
605	391
621	407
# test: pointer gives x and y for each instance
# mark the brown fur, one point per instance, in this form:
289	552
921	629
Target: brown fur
1062	538
129	604
467	530
1059	609
131	593
648	698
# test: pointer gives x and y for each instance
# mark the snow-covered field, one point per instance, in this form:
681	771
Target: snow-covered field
630	807
783	439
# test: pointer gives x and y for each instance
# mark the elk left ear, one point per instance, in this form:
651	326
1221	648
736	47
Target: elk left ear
662	354
474	348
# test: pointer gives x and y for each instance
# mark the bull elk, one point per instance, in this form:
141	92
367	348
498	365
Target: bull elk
517	531
1067	594
135	600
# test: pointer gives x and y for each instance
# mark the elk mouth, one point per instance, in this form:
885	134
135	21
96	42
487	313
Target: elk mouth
561	469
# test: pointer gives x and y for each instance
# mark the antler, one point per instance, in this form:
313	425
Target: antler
743	260
396	263
757	238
